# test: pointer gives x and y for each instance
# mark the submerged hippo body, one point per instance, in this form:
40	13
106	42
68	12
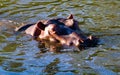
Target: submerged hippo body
62	30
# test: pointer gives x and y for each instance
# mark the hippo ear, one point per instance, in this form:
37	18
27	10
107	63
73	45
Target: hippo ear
69	22
38	28
70	16
40	25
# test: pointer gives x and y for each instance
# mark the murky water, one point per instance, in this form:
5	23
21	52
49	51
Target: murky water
20	55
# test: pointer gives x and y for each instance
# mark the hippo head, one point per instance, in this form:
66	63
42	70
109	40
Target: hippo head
63	31
71	38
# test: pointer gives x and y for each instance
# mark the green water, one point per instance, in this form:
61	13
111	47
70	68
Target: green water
20	55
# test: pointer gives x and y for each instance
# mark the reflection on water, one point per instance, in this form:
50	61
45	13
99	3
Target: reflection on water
21	55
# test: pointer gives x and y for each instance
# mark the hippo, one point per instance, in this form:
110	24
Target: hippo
65	31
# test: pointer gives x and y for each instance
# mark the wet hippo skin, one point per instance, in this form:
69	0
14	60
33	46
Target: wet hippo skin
60	30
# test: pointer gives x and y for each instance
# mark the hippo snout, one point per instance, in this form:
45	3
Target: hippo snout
91	42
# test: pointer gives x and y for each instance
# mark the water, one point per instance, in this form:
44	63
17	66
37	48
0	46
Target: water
20	55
